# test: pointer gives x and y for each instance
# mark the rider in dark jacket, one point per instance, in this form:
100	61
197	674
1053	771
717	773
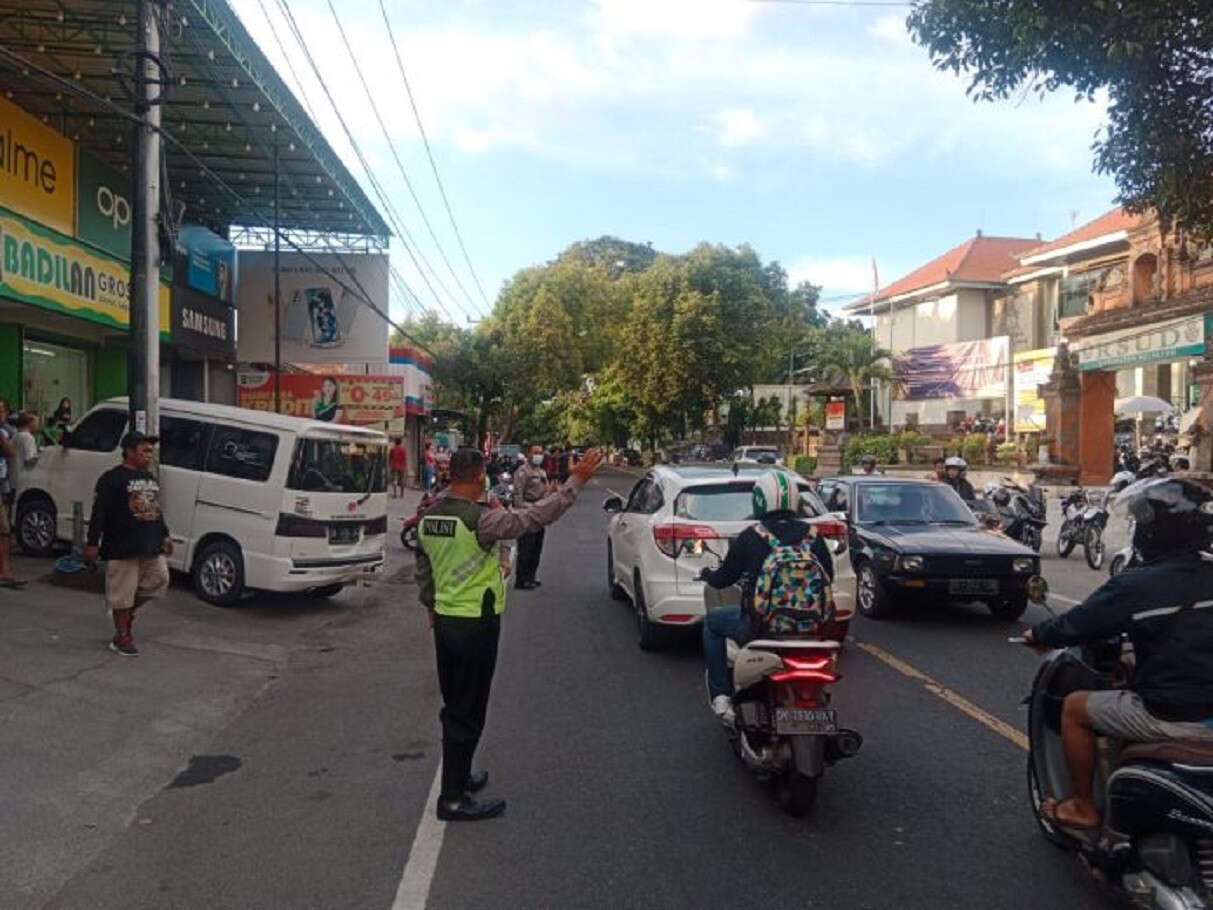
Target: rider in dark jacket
776	501
1166	608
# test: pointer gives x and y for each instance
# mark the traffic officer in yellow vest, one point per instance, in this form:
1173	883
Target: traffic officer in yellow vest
459	573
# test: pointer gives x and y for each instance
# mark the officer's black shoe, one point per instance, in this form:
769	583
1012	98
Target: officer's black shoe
477	781
468	809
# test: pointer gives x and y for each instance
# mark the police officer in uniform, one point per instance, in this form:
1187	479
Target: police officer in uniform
459	573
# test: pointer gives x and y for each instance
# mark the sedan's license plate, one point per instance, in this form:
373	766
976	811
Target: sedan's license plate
973	586
343	534
789	721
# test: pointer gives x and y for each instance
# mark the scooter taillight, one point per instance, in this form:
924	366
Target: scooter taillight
806	669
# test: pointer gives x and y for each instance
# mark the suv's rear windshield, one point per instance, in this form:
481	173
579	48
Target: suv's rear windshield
337	466
732	502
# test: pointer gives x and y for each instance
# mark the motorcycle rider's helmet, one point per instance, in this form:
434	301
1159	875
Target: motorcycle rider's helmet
868	460
775	491
1169	515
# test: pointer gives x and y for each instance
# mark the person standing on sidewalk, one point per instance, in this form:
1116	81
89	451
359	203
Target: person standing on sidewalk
8	456
463	590
128	523
398	463
530	485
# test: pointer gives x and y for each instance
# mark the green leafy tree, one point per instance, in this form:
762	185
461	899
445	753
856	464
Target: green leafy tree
845	354
1153	57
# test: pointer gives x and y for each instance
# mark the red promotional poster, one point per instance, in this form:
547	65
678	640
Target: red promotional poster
337	398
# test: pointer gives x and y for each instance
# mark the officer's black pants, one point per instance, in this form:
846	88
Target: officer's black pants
466	649
530	547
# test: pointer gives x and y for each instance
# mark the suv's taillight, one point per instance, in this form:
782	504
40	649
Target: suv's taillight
672	538
298	526
834	530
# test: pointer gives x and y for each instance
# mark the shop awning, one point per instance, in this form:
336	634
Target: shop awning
225	103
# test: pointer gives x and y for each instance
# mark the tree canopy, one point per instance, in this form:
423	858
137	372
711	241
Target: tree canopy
1153	57
612	341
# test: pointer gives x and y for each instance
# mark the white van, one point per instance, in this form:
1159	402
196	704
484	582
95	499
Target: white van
252	499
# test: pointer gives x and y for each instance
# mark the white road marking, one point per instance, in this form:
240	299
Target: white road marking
1065	600
414	890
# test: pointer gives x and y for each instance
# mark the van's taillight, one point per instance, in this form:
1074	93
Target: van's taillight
298	526
671	538
377	526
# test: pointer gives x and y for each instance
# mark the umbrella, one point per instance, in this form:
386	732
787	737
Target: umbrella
1142	404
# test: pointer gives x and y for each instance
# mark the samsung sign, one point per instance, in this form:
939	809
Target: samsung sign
203	324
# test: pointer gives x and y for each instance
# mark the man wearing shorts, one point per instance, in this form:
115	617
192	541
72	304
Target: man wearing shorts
1166	608
128	524
397	462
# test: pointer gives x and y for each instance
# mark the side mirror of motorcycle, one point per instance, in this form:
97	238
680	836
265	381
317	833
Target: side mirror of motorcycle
613	504
1038	590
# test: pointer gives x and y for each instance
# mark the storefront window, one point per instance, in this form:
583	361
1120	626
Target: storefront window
52	372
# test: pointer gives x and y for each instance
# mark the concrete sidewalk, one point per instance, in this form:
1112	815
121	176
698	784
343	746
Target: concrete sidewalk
89	736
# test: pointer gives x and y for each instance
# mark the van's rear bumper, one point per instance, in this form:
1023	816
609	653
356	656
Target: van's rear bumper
300	574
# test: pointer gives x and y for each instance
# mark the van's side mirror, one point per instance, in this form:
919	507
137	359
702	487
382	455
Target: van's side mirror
613	504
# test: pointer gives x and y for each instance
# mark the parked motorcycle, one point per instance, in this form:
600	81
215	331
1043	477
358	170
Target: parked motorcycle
1021	511
1084	518
783	728
408	532
1125	558
1155	849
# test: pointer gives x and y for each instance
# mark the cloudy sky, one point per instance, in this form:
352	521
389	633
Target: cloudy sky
819	134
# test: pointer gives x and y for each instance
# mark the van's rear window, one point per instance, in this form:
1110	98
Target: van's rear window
337	466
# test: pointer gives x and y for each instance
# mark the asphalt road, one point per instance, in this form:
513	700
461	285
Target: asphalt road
622	789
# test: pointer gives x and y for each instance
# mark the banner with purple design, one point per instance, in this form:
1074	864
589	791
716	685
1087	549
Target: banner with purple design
963	369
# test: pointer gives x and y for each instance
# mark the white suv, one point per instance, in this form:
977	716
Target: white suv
764	455
680	519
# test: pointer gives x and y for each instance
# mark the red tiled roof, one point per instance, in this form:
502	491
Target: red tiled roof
1108	223
978	259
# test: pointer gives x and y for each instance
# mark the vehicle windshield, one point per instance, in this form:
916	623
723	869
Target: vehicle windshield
337	466
731	502
910	503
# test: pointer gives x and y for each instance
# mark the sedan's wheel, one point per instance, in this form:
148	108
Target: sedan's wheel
1065	541
408	537
874	602
219	574
1093	546
650	636
617	592
1010	608
36	531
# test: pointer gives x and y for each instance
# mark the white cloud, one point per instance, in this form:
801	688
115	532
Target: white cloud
737	127
722	173
838	274
890	28
680	19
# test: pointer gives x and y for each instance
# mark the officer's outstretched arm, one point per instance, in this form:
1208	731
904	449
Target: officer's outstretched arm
499	524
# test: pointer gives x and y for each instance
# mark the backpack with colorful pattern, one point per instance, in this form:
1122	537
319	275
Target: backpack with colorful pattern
792	594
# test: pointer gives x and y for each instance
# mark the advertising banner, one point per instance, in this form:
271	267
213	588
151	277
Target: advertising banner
103	206
1174	340
43	268
836	414
338	398
417	371
210	262
37	169
963	369
203	324
323	318
1032	368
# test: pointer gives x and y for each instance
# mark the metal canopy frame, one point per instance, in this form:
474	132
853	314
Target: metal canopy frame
225	102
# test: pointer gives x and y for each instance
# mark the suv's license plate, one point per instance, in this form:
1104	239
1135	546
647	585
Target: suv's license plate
344	534
973	586
805	720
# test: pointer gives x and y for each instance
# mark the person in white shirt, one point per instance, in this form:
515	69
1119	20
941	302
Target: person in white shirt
26	445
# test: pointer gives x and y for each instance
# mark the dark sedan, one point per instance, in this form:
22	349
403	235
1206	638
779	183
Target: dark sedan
916	540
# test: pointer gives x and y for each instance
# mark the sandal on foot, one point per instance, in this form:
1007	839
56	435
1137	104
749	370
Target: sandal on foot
1049	809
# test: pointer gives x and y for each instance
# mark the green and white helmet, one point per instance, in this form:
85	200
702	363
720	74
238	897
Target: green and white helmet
775	491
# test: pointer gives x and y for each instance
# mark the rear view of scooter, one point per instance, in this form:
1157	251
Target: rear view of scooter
783	725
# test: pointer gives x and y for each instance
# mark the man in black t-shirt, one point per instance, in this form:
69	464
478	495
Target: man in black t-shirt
128	523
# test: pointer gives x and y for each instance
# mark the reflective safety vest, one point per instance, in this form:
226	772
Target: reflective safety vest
462	569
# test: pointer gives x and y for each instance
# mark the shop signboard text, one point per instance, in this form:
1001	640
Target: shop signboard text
339	398
1174	340
103	206
37	169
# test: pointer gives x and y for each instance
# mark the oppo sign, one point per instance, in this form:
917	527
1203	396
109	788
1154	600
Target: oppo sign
103	206
114	207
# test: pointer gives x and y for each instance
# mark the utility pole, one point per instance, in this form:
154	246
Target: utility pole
277	287
144	369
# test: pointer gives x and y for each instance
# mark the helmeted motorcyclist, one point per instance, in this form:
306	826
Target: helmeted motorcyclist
776	502
1166	608
954	476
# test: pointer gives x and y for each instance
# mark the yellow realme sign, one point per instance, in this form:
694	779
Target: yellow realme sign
37	170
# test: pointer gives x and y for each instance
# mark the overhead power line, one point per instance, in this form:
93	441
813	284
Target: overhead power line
287	57
349	135
395	154
430	155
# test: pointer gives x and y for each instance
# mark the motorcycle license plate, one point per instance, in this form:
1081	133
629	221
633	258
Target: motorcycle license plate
790	721
973	586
